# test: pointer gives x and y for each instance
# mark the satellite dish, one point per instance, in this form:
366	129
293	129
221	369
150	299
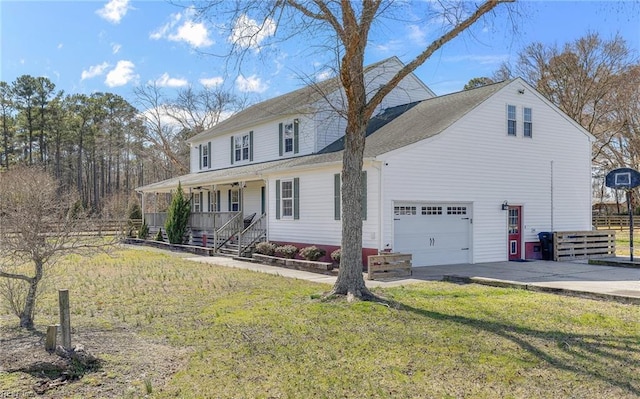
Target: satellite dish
622	179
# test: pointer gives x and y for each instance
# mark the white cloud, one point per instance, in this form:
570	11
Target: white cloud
392	46
182	28
93	71
166	81
122	74
324	75
115	48
252	84
60	45
417	35
212	82
114	10
247	33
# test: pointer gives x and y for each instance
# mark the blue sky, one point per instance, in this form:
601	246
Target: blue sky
90	46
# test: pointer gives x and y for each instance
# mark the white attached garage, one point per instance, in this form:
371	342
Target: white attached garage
434	233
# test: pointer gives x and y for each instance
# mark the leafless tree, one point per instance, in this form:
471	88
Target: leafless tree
38	224
345	27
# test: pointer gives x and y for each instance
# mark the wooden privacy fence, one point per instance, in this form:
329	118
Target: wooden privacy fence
386	265
620	222
569	245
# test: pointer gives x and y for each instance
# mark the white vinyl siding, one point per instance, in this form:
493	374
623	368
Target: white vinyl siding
485	170
317	212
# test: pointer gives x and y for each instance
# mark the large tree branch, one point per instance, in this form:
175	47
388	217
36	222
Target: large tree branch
483	9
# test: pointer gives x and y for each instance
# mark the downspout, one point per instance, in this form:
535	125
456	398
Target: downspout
380	207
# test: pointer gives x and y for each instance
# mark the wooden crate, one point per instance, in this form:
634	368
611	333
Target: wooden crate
570	245
388	265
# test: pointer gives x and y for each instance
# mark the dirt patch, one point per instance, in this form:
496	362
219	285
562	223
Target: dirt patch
129	365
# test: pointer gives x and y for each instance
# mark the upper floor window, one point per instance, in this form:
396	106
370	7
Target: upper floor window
242	148
204	151
511	120
528	122
288	136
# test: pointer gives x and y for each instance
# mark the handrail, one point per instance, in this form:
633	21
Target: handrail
253	233
222	235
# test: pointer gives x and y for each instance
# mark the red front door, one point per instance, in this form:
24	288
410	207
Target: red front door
515	232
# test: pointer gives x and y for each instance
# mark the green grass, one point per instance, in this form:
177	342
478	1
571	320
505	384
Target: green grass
248	335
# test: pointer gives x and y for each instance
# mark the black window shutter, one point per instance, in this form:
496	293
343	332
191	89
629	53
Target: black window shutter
280	138
277	199
296	198
200	155
336	196
218	197
232	150
251	146
262	200
229	202
296	146
209	157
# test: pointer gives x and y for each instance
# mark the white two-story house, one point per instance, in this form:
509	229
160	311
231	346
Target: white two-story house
467	177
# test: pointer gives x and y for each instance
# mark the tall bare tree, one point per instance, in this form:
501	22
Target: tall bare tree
37	226
582	78
347	24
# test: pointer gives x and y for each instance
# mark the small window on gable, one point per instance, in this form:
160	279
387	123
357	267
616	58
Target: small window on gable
511	120
528	122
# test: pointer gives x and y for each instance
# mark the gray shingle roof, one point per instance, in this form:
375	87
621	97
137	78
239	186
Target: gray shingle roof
426	119
295	102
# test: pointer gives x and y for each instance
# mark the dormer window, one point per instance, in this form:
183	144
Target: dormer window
288	136
242	148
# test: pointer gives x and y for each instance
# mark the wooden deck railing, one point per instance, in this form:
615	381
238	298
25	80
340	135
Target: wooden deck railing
225	233
254	233
569	245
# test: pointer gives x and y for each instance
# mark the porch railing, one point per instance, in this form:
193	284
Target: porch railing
230	229
197	221
255	232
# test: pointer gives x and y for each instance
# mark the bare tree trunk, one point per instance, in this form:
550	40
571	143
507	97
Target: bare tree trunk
26	316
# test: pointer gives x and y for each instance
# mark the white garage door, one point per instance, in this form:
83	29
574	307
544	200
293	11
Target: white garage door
435	234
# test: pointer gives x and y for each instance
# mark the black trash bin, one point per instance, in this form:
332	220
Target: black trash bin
546	245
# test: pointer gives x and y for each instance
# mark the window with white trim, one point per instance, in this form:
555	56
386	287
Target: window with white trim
205	156
511	120
234	201
528	122
197	202
287	138
242	148
286	198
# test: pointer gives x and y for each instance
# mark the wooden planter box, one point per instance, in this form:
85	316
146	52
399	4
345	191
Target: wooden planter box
389	265
298	264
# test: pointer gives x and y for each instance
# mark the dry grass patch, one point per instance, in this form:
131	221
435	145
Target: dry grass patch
196	330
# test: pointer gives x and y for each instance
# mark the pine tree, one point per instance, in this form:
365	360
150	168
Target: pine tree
178	217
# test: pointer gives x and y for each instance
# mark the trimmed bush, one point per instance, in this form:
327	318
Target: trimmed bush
266	248
287	251
335	255
143	233
159	236
312	253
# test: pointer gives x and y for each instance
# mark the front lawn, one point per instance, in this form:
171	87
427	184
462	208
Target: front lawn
167	327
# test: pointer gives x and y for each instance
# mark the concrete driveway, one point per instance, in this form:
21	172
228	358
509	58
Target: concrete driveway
572	276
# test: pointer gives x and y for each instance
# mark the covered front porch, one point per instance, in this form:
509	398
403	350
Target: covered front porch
228	217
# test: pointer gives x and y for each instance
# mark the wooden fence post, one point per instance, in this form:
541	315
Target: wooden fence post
51	340
65	318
